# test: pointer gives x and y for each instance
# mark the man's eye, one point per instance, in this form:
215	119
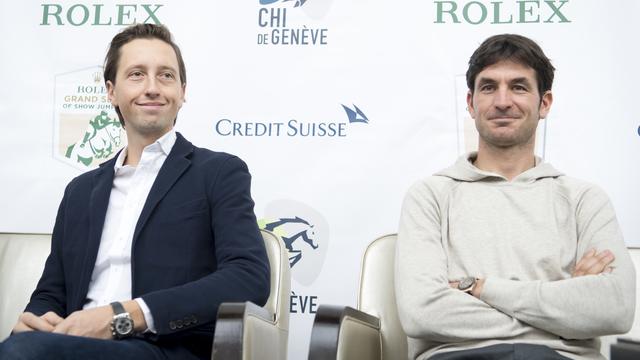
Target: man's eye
168	75
486	87
135	74
520	88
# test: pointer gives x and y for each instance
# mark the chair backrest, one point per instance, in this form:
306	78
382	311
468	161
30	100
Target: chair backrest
377	295
278	302
22	258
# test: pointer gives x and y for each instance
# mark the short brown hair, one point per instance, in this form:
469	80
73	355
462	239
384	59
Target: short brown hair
515	48
138	31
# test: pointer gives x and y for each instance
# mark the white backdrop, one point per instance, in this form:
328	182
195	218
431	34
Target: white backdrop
401	64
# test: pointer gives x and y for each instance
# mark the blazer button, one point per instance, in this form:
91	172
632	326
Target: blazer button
172	325
179	324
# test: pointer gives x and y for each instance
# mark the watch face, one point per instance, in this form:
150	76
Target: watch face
466	283
123	326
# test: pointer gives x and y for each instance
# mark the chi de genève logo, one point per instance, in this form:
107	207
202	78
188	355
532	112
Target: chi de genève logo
294	127
292	22
86	128
305	233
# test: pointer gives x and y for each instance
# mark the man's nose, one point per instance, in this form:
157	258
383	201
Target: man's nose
502	99
151	88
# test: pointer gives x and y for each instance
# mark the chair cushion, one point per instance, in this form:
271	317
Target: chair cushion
22	258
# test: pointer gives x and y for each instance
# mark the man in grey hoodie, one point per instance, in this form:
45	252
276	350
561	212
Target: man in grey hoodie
501	256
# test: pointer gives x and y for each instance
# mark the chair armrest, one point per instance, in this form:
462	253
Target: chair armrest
247	331
625	349
342	332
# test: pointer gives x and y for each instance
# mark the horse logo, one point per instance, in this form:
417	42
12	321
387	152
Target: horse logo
101	140
304	234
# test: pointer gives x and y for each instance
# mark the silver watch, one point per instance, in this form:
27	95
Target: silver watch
122	323
467	284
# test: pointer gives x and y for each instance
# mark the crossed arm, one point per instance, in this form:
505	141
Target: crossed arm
592	263
598	299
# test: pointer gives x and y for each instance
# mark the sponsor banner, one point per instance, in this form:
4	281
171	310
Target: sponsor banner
80	14
286	23
336	106
502	12
293	127
87	131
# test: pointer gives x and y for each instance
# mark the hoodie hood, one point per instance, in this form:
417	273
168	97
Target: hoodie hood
464	170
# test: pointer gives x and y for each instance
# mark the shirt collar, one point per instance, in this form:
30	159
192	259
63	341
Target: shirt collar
164	144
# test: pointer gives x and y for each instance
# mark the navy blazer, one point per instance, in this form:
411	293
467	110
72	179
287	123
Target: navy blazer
196	245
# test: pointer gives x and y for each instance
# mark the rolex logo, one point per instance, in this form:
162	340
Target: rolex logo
97	77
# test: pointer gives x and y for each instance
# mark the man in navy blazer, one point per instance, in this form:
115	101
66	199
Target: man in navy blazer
147	246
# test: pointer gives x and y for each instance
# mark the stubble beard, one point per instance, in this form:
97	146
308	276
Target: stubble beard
148	128
520	138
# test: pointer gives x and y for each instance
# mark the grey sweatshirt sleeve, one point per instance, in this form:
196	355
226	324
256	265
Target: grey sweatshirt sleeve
582	307
427	306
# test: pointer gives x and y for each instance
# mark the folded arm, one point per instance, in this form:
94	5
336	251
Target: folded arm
586	305
428	307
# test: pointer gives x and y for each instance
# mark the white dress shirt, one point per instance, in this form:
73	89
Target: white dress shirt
111	277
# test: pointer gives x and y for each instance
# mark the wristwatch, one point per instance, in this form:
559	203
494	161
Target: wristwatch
122	323
467	284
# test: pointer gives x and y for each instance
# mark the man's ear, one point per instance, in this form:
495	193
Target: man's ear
470	108
545	104
111	92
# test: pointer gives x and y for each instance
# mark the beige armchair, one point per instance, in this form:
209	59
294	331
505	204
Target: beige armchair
22	258
373	331
245	331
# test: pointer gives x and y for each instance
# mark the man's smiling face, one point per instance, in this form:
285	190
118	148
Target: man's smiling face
506	104
148	89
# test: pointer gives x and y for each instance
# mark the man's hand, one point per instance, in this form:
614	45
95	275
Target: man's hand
594	263
96	322
30	322
93	323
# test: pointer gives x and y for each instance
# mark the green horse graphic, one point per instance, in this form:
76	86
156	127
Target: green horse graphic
101	139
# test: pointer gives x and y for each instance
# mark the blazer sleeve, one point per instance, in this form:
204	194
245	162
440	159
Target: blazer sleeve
243	269
50	293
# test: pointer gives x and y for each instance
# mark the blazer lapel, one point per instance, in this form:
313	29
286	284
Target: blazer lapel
174	166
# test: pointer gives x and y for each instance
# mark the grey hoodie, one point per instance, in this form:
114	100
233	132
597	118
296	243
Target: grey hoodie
524	237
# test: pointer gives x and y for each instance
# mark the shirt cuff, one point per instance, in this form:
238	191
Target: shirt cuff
147	315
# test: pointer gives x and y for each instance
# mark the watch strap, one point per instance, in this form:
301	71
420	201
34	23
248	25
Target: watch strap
117	308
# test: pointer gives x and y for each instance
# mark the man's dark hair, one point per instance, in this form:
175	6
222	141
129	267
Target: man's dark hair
138	31
514	48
